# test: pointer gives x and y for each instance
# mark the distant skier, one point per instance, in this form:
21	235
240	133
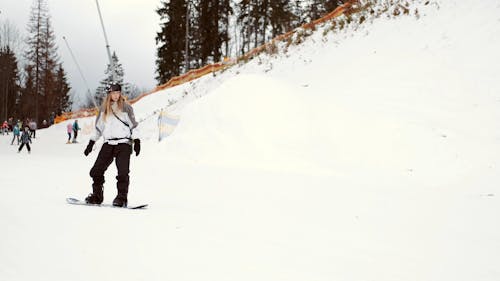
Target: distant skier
33	127
51	118
5	128
76	128
69	130
16	134
11	123
116	124
25	140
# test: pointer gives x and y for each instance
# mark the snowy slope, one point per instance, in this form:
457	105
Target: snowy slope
367	155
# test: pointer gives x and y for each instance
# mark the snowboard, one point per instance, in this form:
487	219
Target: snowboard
75	201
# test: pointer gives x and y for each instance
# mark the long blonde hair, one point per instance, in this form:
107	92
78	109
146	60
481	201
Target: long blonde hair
122	100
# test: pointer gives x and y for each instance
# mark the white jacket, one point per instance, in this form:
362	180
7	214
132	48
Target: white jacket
112	129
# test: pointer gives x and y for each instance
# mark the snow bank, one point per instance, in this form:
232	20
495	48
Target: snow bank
249	121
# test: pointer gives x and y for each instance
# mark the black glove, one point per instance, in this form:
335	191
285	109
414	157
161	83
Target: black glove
89	148
137	146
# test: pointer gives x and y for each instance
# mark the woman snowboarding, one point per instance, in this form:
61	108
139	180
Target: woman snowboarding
116	124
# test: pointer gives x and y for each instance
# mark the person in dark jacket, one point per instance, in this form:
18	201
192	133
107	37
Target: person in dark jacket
116	123
25	140
76	128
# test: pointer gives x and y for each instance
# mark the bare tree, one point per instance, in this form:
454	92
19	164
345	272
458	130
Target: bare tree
9	74
10	36
41	95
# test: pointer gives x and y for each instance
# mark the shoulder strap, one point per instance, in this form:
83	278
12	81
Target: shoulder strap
125	123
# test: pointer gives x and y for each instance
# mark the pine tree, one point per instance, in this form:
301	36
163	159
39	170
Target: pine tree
9	36
42	64
319	8
280	17
300	13
248	19
33	57
225	13
61	90
192	41
171	40
26	101
315	10
213	30
108	79
262	20
49	101
9	83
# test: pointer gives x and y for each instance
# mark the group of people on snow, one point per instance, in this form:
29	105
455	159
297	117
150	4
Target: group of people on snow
23	132
72	128
8	126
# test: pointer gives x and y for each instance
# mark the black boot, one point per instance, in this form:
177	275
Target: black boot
120	201
96	197
122	186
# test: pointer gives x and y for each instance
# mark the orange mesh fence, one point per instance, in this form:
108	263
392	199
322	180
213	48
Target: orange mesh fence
76	114
186	77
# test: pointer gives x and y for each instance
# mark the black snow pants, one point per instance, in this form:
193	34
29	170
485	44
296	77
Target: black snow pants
121	153
27	146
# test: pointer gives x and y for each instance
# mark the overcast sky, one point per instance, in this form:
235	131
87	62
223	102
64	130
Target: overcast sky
131	26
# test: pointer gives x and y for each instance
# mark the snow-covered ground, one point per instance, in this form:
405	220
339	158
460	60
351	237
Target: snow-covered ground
369	155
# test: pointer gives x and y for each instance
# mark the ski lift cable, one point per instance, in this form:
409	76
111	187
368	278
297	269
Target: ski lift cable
80	71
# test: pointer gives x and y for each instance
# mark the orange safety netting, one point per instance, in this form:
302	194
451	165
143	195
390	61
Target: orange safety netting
76	114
